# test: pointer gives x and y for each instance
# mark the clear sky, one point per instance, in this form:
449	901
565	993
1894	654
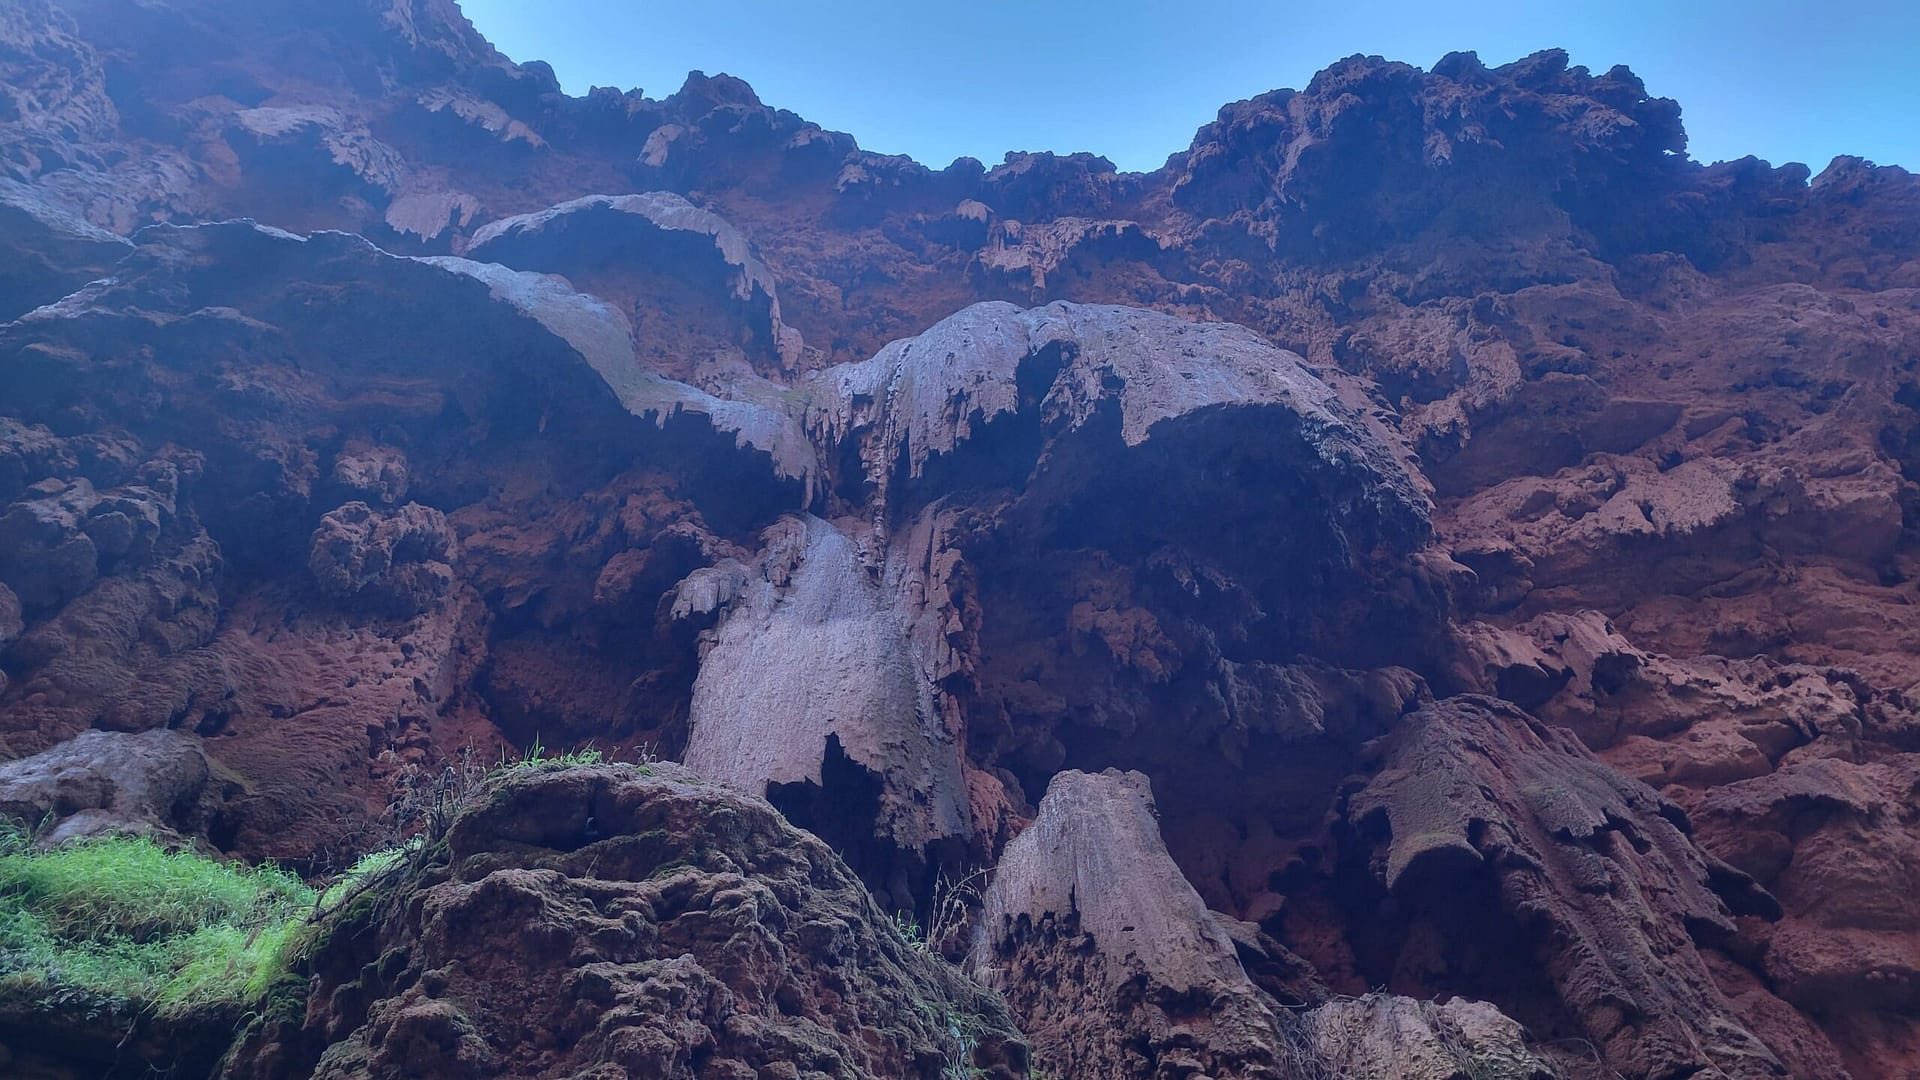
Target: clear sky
1132	79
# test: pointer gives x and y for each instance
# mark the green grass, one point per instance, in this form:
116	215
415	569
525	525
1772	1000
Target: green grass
910	930
122	919
536	756
120	922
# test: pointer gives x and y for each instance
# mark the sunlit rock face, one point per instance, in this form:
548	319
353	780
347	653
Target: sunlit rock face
1436	551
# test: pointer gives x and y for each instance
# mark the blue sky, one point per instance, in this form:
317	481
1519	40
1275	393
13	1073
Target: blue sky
1132	79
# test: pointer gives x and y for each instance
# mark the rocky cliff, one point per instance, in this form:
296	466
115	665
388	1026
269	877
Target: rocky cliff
1422	584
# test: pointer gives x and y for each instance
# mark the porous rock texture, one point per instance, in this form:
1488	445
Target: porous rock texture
626	921
1485	530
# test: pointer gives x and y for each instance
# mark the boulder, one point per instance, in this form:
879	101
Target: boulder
629	921
154	783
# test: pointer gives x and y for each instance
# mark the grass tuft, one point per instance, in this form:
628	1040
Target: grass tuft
536	756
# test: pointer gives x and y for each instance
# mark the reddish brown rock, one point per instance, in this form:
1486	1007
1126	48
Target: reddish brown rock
1831	838
396	560
1481	822
159	594
1519	400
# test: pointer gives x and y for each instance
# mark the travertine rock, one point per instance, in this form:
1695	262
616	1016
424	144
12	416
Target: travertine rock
374	474
1115	968
1109	960
922	398
156	783
1381	1036
630	921
1405	384
1827	836
158	552
594	240
395	559
49	251
1475	802
809	654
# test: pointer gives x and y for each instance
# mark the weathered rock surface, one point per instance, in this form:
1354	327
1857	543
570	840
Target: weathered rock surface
810	666
1382	1035
623	921
1108	957
49	251
1484	825
620	246
1833	840
396	559
631	419
156	783
1115	967
317	687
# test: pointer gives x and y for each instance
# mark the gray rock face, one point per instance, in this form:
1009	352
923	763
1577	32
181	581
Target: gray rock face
46	251
808	650
323	135
1094	858
514	240
603	337
1066	366
1388	1037
102	782
1108	957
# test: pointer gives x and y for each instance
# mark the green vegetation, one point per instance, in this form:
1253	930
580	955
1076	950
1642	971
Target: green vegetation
370	870
910	930
122	919
536	756
121	925
962	1033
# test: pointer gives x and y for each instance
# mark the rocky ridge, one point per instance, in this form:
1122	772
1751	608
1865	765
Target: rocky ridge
1474	535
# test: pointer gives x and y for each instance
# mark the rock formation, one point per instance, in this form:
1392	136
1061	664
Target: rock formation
1086	900
1433	550
628	921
